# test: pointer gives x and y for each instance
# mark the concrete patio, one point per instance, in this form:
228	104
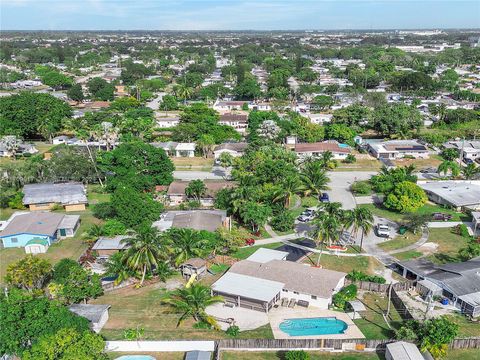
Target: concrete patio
245	319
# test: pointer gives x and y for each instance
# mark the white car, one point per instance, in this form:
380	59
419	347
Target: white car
383	230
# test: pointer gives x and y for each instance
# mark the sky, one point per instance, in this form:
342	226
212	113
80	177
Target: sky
237	14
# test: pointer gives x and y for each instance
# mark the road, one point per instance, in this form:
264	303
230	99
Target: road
153	104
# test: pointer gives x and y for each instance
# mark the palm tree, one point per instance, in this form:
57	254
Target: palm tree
289	187
359	218
333	209
470	171
184	92
314	178
447	166
185	244
327	229
115	266
196	189
327	160
192	302
145	250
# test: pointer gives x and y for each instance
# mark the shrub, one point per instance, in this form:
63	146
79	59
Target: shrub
355	275
113	227
233	330
284	221
297	355
347	293
350	159
15	201
103	211
361	188
406	197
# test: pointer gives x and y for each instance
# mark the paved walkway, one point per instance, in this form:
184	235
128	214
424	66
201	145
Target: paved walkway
423	239
270	231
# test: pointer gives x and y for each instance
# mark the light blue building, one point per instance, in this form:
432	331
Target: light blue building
22	228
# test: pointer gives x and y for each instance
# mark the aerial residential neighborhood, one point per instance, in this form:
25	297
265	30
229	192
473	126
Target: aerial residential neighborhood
215	180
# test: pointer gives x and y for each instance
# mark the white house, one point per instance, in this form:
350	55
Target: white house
339	151
234	149
397	149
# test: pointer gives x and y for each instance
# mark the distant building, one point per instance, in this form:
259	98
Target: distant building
167	122
401	350
238	121
209	220
223	106
397	149
469	148
107	246
305	150
177	149
457	194
234	149
21	149
72	196
176	191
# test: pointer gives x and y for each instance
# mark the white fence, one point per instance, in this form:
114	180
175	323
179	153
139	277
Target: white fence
159	346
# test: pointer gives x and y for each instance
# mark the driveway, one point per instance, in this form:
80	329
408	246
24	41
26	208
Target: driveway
340	186
217	173
295	254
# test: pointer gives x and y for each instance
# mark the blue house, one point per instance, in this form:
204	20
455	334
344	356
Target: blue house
23	228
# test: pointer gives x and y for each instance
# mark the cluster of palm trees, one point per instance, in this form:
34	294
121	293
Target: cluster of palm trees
331	221
469	172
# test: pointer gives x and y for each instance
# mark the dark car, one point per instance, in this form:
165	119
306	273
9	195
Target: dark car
324	198
468	161
441	217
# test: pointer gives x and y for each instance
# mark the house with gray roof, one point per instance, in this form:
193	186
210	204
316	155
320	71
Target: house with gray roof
259	282
459	282
107	246
202	219
40	228
72	196
457	194
96	314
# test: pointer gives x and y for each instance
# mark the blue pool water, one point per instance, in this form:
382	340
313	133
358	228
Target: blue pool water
313	326
343	145
135	357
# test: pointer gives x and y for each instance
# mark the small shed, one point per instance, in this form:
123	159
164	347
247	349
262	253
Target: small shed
194	266
96	314
402	350
198	355
36	246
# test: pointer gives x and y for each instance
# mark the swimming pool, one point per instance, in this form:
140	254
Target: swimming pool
313	326
135	357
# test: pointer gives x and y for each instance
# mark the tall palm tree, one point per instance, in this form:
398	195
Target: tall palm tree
192	302
326	229
185	244
361	219
314	178
470	171
184	92
289	187
145	251
327	160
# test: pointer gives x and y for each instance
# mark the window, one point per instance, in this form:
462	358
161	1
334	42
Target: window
284	290
14	240
314	297
295	292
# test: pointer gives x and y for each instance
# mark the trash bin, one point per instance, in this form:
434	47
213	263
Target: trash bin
444	301
402	230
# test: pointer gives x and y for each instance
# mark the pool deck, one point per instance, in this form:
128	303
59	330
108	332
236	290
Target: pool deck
280	314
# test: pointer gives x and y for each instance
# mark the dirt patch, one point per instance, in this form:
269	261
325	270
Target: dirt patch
428	248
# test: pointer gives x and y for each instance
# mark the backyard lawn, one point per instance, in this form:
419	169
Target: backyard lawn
142	307
372	324
360	165
426	209
65	248
408	255
245	252
400	241
367	264
467	328
467	354
194	163
448	245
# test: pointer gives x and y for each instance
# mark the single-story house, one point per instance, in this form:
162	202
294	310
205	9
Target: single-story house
401	350
238	121
209	220
38	230
457	194
72	196
229	105
397	149
194	266
22	149
177	149
167	122
106	246
96	314
264	255
234	149
259	285
176	191
459	282
470	148
304	150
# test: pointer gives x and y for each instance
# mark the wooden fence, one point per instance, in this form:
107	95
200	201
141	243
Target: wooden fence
382	288
402	309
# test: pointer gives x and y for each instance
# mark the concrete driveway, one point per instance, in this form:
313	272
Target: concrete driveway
217	173
340	186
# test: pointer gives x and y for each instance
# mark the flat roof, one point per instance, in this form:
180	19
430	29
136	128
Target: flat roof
248	286
457	193
264	255
402	350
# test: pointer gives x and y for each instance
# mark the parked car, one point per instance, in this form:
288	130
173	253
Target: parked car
383	230
307	215
250	242
468	161
324	197
441	217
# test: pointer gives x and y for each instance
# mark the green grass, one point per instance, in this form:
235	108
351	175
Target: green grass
142	307
372	324
400	241
426	209
6	213
245	252
313	355
65	248
219	268
408	255
96	194
464	354
449	244
367	264
466	328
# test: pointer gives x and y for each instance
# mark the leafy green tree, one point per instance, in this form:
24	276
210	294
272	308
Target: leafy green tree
255	214
283	221
297	355
125	103
340	132
62	270
68	344
133	208
287	189
23	114
406	197
127	161
29	273
347	293
470	171
169	103
113	227
416	221
26	317
192	302
100	89
355	116
247	90
57	80
196	189
387	178
75	92
395	119
321	103
449	154
472	250
144	252
206	143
